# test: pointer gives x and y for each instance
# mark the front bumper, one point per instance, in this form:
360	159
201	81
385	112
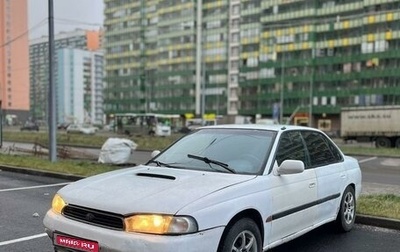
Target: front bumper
118	241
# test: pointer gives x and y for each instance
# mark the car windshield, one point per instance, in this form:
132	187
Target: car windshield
242	151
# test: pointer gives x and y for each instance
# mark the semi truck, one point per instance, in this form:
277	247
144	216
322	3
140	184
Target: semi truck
380	124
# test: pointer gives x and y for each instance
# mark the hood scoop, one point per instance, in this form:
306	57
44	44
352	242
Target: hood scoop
153	175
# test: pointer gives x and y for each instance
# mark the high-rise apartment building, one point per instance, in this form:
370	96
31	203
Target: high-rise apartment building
39	64
319	56
80	86
152	56
297	59
14	59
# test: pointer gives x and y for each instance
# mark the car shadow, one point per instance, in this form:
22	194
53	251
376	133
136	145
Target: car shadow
319	239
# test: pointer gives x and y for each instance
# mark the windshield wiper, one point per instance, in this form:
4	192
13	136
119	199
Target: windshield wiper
159	164
211	161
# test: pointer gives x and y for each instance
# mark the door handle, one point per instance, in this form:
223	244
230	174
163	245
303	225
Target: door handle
312	185
343	176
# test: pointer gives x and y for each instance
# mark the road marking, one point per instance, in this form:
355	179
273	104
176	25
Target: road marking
367	160
395	162
33	187
4	243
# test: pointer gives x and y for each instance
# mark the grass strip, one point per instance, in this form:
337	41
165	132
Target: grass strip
380	205
70	167
96	141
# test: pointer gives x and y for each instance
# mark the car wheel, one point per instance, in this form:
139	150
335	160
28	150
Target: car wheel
347	211
398	143
383	142
243	236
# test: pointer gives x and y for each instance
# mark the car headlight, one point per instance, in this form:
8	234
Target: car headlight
58	204
160	224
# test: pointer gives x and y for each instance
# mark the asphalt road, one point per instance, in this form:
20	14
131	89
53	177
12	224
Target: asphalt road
24	199
380	174
361	238
381	170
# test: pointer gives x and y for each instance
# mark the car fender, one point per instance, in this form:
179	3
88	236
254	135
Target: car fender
215	210
353	172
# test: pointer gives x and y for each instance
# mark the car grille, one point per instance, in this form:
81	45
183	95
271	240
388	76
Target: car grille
94	217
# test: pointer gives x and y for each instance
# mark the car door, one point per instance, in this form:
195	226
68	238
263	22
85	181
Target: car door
293	194
327	162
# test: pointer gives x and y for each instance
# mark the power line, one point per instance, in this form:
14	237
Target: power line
73	22
44	21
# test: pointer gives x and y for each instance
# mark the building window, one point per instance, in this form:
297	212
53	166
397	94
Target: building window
235	9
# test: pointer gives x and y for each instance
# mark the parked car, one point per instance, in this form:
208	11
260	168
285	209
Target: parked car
63	126
220	188
81	129
30	126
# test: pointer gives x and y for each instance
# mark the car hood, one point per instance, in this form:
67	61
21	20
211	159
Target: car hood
147	189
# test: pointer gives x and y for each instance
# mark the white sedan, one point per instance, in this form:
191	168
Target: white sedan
221	188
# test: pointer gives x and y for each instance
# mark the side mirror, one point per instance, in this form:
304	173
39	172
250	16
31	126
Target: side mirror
291	167
155	153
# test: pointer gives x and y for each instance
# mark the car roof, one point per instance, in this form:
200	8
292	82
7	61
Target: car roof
274	127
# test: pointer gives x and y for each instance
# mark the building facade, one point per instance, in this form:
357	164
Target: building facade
39	64
155	56
14	59
301	60
319	56
79	86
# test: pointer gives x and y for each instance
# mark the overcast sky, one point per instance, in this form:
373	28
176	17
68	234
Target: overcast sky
68	15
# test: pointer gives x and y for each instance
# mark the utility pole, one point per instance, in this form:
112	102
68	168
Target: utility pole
313	48
203	86
310	111
282	90
199	70
1	124
52	91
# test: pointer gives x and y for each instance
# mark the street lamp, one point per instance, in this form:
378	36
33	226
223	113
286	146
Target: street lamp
52	89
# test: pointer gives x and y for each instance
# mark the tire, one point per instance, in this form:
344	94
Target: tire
383	142
244	236
397	145
347	211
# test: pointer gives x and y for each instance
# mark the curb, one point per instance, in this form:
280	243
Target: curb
378	221
360	218
40	173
